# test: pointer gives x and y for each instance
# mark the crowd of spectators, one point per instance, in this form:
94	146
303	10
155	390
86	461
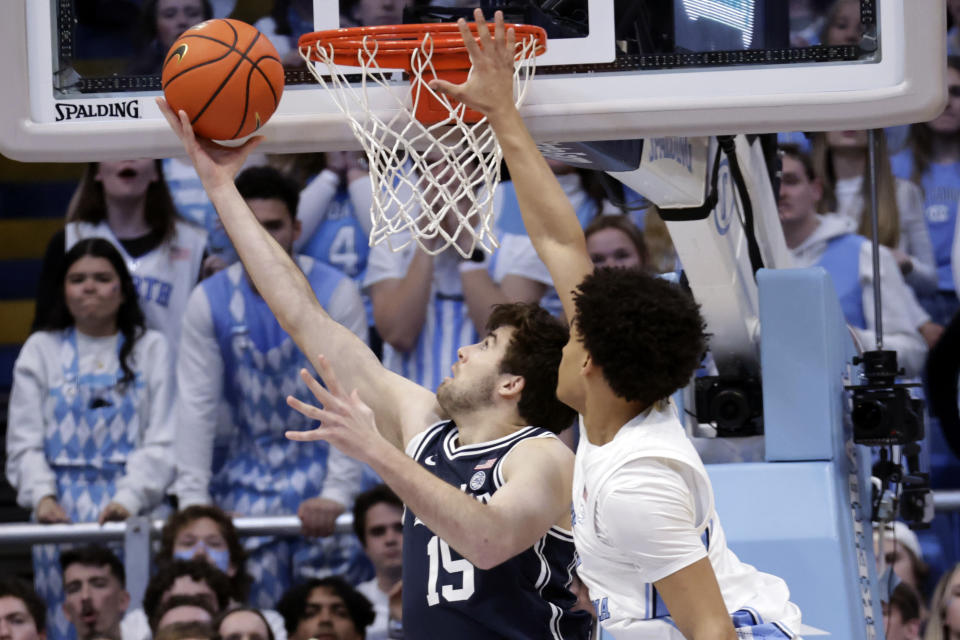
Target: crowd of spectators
156	376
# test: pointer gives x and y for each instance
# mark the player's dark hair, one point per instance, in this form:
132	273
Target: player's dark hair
365	501
131	323
173	602
198	570
89	203
624	225
293	604
13	587
646	334
534	352
94	556
226	613
240	581
268	183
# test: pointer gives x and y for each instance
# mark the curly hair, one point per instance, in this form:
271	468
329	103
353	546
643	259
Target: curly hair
197	570
646	334
293	604
238	555
534	352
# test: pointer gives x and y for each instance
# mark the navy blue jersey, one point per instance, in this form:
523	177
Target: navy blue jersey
444	596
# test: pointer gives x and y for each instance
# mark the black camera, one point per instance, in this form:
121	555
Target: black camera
735	405
883	412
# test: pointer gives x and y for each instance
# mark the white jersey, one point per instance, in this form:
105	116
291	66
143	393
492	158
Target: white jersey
643	510
164	277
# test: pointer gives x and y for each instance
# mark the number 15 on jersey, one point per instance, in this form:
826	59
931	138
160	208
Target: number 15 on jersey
438	552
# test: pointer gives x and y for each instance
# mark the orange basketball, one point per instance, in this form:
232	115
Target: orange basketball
226	75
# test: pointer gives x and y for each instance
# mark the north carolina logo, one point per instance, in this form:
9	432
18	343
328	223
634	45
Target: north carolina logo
477	480
178	53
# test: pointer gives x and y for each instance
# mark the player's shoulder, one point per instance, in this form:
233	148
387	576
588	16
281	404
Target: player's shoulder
540	451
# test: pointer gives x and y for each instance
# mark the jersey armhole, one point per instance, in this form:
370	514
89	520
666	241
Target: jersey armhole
419	442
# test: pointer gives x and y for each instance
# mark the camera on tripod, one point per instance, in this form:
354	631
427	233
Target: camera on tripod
884	413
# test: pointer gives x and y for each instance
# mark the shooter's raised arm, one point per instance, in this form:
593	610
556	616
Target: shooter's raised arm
401	406
549	217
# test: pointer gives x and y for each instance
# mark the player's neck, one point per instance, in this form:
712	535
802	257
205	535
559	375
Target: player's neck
606	413
484	425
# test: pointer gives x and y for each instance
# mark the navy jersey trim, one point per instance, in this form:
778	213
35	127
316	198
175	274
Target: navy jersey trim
426	436
454	452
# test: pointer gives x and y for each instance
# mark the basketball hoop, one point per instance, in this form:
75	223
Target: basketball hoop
434	164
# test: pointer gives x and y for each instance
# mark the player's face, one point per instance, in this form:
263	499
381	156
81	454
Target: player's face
371	13
326	617
127	179
475	374
94	600
612	248
243	625
16	623
846	27
202	538
951	605
948	122
92	293
174	17
383	532
847	139
569	381
798	194
277	220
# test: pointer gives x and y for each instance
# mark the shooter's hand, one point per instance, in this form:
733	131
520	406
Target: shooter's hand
346	421
216	164
489	89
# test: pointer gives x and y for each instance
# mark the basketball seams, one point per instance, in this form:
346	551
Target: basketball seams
226	79
212	98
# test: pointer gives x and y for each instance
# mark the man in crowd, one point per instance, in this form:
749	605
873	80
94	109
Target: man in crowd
22	613
95	595
325	608
378	523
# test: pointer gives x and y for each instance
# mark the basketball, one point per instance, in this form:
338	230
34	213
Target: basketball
226	76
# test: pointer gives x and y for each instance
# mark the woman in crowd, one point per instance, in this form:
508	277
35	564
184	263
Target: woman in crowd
944	622
932	160
614	241
128	203
90	435
161	23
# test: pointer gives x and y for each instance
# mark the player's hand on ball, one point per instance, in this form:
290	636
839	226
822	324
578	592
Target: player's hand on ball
113	512
490	85
346	421
216	164
318	516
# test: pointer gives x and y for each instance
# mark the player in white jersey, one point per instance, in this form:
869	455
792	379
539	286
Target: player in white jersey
653	554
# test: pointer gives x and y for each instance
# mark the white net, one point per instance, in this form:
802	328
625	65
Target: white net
432	183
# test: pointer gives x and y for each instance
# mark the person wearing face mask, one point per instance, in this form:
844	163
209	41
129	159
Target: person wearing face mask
206	532
129	204
90	430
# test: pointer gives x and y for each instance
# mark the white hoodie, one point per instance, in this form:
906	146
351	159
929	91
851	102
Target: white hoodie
898	306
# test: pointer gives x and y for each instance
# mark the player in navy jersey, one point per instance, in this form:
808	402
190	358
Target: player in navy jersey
488	549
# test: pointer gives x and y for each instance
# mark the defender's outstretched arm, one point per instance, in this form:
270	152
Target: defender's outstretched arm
549	217
402	407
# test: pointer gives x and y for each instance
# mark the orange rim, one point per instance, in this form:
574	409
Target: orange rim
395	43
